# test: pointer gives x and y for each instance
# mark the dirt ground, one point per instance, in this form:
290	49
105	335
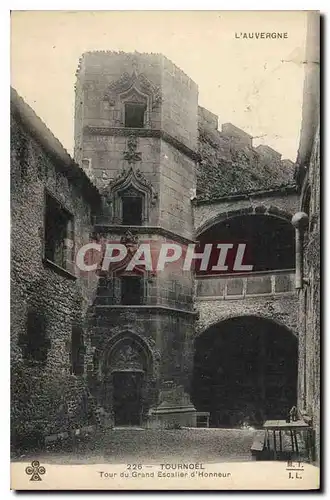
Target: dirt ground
156	446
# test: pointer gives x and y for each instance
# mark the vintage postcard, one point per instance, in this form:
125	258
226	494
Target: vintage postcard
165	267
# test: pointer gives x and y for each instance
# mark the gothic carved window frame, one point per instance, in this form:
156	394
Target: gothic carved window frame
130	89
114	281
133	180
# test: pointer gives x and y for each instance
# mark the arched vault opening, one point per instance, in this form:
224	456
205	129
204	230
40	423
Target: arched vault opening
245	371
269	240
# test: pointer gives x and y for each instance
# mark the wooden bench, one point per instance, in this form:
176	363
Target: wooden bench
258	444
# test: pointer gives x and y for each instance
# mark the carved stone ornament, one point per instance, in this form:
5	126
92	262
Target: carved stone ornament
130	178
137	84
129	239
142	343
131	242
131	155
127	358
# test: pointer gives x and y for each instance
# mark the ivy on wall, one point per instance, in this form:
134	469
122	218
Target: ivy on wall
227	169
42	405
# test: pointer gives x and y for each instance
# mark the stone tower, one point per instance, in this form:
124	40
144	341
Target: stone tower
136	137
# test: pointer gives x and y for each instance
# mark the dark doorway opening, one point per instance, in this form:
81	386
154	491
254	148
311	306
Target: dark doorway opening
127	402
245	371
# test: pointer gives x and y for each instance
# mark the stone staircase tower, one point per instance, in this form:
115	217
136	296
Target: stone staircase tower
136	137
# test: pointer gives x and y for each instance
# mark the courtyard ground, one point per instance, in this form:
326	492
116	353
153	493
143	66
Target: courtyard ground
127	445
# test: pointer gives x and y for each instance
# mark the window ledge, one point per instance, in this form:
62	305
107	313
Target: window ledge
60	270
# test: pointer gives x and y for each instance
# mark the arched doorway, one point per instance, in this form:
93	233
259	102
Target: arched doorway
245	371
126	379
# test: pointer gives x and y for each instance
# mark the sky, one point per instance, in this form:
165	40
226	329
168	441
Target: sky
256	84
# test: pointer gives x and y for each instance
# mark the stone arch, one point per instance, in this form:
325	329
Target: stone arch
245	370
266	316
128	355
261	209
266	231
283	311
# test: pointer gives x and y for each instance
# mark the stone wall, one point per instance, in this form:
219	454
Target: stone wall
252	284
178	180
164	321
167	142
98	114
167	334
229	164
309	181
179	107
310	353
106	153
281	309
277	204
59	296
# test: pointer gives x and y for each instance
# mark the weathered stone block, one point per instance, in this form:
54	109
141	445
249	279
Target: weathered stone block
234	286
258	284
284	283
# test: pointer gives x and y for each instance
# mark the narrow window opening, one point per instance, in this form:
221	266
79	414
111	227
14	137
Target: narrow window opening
77	351
132	210
134	115
131	290
58	233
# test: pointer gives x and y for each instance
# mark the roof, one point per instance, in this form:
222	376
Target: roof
51	145
229	164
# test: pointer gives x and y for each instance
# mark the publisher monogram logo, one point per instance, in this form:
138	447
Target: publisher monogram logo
34	470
